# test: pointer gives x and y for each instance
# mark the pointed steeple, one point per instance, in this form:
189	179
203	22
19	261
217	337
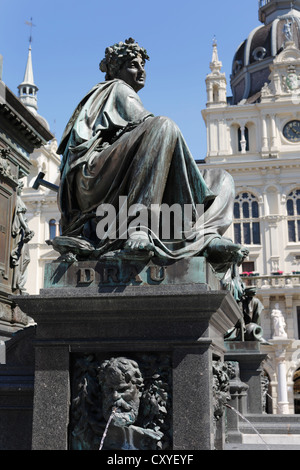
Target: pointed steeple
28	89
216	81
215	65
28	77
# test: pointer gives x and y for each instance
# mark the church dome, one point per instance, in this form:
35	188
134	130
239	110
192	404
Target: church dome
252	60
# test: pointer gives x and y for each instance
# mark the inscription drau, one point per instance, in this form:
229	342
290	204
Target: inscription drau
116	275
110	273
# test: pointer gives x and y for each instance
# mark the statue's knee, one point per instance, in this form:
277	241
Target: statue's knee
169	125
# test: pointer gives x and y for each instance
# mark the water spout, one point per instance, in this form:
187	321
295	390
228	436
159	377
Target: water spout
249	422
106	428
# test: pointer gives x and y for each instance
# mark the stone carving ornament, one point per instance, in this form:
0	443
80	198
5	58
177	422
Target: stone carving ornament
279	323
122	403
221	388
5	168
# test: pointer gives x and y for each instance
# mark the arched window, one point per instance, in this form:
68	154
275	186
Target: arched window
52	229
215	94
243	139
246	220
293	215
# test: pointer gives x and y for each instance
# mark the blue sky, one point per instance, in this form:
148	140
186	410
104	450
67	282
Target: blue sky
70	37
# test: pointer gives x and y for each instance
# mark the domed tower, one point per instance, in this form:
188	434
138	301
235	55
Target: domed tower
252	60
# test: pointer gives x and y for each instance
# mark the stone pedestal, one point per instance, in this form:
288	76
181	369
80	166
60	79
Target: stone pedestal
249	357
171	317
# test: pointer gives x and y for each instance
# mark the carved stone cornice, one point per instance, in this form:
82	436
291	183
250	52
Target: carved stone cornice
22	120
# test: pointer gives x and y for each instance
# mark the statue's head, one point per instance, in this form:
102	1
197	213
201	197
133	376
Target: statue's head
20	187
125	60
250	291
121	381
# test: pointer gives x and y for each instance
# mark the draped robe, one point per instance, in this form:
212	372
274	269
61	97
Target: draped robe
112	147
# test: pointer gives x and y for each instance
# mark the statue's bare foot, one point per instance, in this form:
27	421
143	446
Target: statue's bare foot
138	241
222	250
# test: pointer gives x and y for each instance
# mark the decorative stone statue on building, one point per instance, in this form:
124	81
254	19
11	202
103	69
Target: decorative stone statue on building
121	165
287	31
279	323
21	235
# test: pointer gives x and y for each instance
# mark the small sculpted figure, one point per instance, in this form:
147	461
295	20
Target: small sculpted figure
21	235
279	323
116	154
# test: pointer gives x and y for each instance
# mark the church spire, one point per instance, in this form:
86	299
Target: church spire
28	76
28	89
216	81
215	65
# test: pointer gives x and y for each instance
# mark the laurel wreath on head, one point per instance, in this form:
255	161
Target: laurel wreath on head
116	55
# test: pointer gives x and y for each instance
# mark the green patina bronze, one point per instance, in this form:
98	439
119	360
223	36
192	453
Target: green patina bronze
113	147
117	272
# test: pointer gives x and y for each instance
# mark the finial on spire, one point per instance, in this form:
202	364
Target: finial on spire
30	24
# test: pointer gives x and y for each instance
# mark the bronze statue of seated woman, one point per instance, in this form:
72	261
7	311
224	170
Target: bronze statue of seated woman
121	165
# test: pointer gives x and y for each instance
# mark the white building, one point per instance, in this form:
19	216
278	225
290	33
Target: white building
255	136
42	210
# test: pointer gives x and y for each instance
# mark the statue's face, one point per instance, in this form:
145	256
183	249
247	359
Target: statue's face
122	396
133	73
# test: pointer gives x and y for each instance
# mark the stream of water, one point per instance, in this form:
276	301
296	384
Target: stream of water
106	428
249	422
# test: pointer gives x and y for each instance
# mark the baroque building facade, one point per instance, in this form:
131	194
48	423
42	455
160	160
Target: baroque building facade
255	135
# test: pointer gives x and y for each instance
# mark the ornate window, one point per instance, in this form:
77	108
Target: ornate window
293	215
246	220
